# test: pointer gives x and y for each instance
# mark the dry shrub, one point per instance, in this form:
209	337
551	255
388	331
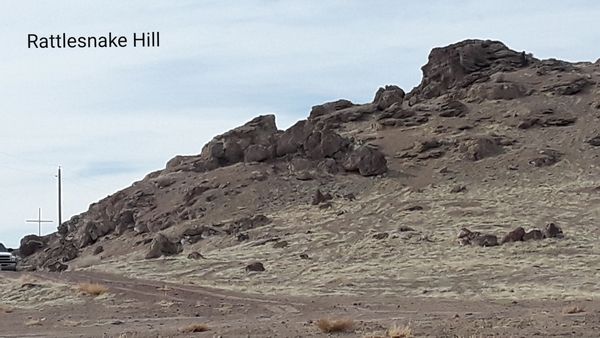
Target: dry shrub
192	328
128	335
338	325
572	309
399	331
92	289
394	332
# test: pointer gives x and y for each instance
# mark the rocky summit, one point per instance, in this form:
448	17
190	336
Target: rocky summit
494	144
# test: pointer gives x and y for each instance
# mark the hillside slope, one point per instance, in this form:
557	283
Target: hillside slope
369	198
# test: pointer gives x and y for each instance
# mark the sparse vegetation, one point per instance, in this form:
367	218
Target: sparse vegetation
399	331
338	325
193	328
394	332
572	309
165	303
92	289
128	335
28	281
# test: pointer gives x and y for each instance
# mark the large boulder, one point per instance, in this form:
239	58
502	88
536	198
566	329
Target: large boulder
328	108
124	221
292	139
481	147
322	144
367	161
65	251
87	234
551	230
30	244
387	96
162	246
233	146
515	235
468	237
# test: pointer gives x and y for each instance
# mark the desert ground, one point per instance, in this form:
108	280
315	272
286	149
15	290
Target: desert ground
52	305
419	279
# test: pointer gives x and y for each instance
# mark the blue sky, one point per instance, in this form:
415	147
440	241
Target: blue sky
111	116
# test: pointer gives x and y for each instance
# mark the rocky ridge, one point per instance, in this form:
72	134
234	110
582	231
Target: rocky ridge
478	101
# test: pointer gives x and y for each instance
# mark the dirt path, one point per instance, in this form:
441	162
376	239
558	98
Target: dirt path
144	308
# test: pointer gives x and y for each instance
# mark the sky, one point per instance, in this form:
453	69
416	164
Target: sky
110	116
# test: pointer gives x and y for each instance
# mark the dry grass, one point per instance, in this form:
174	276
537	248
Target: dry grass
165	303
92	289
399	331
572	309
128	335
394	332
193	328
28	281
338	325
71	323
87	261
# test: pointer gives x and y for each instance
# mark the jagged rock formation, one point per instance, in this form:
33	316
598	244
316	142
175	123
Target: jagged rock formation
460	65
481	113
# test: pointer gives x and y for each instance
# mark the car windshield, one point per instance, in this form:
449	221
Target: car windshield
3	248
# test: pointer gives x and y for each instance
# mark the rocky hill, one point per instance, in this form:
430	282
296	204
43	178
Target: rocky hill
492	140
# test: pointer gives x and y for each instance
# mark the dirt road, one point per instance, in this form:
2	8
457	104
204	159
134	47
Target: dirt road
144	308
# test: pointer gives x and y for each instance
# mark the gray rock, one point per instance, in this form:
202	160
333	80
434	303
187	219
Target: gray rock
515	235
256	267
329	107
257	153
480	148
98	250
162	246
534	234
551	230
367	161
30	244
387	96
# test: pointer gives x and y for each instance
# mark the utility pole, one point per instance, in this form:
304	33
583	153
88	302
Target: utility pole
59	197
39	221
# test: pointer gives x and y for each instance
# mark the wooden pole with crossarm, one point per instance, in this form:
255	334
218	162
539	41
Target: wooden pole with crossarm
39	221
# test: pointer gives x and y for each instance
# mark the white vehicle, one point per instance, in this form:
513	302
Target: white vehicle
8	261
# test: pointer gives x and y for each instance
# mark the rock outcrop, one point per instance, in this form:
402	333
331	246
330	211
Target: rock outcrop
459	65
468	237
30	244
